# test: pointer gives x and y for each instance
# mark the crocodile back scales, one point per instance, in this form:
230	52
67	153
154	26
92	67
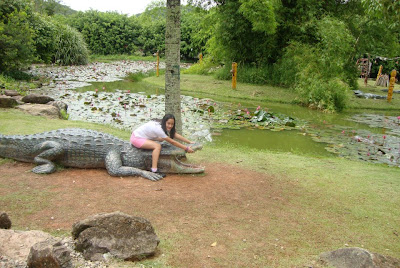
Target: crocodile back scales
81	147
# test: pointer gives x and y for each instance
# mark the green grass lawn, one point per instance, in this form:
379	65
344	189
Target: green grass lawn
207	86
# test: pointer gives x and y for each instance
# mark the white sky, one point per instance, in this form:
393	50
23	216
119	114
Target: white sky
130	7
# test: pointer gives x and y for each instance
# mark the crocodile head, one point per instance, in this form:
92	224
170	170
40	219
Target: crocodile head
171	159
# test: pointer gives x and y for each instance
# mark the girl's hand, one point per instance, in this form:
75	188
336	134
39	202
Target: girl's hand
189	150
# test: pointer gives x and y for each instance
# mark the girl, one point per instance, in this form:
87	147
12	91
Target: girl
145	137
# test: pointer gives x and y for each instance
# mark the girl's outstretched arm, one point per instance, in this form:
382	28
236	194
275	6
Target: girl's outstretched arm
181	138
178	144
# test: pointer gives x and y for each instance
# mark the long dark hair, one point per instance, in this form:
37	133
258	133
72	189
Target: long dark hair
164	125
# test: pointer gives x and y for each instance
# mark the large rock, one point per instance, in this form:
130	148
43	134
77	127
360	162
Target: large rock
357	258
123	236
5	222
15	245
41	109
59	105
7	102
35	98
11	93
50	253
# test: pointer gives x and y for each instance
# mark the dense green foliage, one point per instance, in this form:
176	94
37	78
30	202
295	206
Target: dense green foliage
27	36
107	32
16	35
310	46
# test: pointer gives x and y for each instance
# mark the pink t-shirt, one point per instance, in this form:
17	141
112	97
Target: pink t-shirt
151	131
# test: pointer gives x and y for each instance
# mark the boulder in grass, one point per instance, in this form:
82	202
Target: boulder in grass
121	235
357	258
41	109
5	222
11	93
7	102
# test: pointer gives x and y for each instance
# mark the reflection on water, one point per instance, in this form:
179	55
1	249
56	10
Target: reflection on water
282	141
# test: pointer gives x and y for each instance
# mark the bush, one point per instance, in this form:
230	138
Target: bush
70	47
322	94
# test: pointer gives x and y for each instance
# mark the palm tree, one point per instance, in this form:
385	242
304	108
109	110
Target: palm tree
172	62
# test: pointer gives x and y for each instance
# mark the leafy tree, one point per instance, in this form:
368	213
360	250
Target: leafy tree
235	35
318	72
16	36
152	28
192	43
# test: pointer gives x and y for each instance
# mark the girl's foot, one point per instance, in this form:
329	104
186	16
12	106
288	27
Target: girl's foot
157	172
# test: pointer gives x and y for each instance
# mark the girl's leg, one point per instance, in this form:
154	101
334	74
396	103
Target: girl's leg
156	147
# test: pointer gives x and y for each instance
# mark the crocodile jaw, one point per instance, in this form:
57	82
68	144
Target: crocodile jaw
173	165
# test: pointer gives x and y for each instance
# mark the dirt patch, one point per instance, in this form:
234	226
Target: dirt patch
223	218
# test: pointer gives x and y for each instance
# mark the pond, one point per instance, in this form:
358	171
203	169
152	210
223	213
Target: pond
266	126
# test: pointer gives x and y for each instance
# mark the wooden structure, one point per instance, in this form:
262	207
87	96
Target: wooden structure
364	65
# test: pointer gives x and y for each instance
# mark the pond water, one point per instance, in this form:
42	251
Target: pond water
282	141
358	135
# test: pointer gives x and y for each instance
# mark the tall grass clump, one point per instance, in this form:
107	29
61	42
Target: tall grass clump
247	73
71	48
139	76
224	73
252	74
206	67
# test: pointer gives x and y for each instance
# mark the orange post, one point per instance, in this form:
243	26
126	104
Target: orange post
234	74
379	73
158	64
201	58
391	85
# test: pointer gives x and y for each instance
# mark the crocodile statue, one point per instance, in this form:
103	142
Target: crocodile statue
83	148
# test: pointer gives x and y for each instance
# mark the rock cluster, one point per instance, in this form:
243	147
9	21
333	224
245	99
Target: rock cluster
33	104
95	241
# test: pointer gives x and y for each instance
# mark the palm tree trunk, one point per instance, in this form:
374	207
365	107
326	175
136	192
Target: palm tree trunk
172	62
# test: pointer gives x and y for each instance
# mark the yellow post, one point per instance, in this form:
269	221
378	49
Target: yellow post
201	58
234	74
158	64
379	73
391	85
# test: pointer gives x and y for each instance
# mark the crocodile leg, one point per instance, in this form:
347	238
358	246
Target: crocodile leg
115	168
49	151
